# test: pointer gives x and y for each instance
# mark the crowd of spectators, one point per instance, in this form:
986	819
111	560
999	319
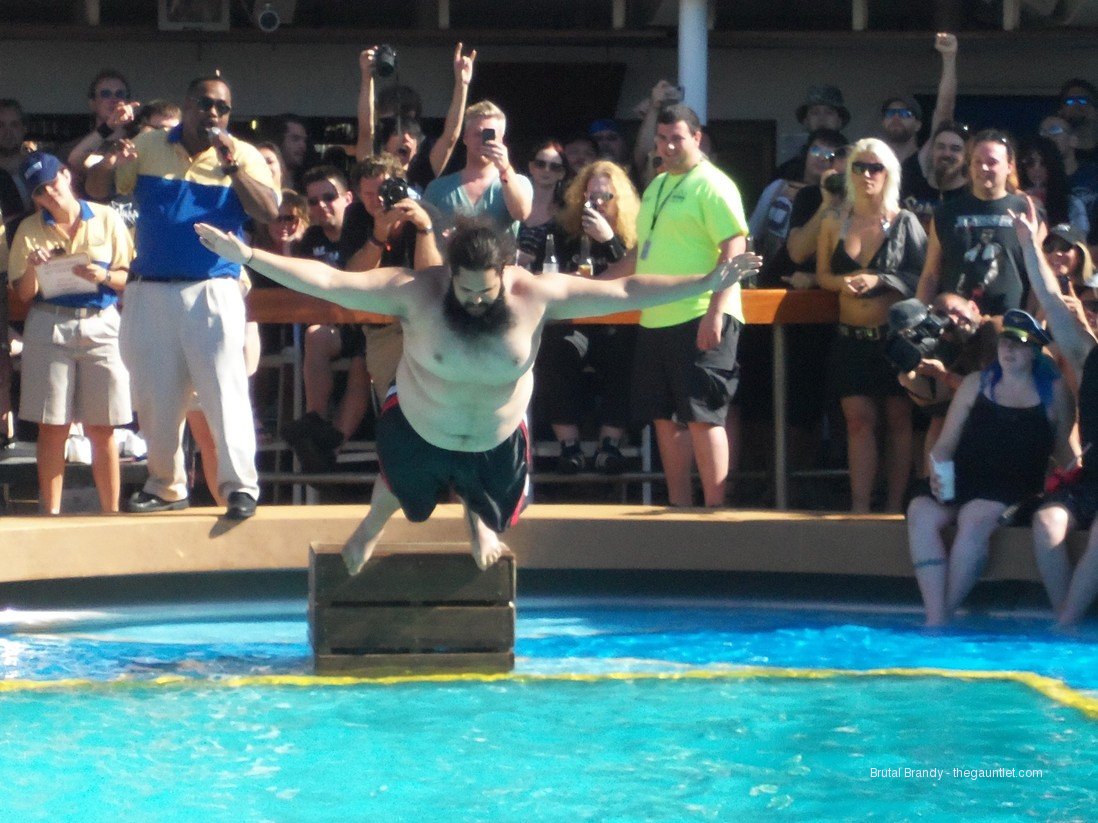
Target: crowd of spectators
966	228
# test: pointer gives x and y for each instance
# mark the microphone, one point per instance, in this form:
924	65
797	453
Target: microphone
213	134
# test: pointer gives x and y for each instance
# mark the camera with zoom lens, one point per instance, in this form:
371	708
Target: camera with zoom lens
385	60
914	335
392	191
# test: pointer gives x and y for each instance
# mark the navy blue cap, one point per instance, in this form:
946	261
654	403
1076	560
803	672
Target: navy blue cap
606	124
1021	326
38	168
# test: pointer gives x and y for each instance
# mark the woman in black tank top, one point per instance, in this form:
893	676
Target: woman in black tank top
1075	504
1000	431
871	253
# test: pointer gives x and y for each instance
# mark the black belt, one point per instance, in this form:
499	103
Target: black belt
863	332
75	312
144	278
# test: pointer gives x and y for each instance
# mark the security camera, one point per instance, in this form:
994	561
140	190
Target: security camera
267	19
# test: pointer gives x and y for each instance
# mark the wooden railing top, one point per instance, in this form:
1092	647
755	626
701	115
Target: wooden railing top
761	307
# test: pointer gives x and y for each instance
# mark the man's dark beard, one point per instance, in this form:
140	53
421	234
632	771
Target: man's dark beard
497	318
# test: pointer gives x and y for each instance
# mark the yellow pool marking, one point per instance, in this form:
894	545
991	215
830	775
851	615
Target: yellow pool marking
1051	688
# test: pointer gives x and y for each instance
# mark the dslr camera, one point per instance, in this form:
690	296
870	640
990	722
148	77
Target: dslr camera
392	191
914	334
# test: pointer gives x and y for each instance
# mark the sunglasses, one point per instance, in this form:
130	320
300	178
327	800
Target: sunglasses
287	218
1076	101
861	167
327	197
903	114
822	153
113	94
206	103
600	197
552	165
1054	130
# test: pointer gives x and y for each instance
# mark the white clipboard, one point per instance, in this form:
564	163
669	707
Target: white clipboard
56	277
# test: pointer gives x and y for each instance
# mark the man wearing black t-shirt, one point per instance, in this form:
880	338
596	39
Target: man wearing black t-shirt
973	249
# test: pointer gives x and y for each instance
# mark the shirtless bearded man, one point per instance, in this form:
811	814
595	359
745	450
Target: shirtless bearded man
471	334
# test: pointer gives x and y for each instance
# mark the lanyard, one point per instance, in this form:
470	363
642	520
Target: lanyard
660	205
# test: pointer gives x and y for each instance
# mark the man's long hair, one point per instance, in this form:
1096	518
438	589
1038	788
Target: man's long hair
477	244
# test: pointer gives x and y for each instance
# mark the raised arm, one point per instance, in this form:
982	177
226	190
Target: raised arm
1072	336
825	245
451	129
946	45
568	296
367	112
927	289
378	290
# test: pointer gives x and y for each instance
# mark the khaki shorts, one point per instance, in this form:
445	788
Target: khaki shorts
72	370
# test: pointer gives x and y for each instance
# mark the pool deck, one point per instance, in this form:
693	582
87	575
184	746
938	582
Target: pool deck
550	537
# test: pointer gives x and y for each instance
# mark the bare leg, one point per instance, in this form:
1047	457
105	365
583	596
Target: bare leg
105	469
976	520
356	398
322	344
926	518
861	446
676	455
1084	584
361	544
483	542
565	432
203	438
1051	525
733	429
50	453
898	449
710	444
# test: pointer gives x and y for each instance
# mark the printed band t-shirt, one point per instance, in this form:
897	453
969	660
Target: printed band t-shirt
981	256
697	211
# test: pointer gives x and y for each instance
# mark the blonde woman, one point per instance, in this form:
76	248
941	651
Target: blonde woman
596	227
871	252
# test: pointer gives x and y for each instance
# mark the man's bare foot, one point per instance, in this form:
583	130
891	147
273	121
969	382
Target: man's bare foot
487	549
356	554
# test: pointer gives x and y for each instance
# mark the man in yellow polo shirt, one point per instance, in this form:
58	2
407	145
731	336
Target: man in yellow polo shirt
685	370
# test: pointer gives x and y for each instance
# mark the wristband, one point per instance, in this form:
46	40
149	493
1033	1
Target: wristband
376	242
425	229
230	168
104	131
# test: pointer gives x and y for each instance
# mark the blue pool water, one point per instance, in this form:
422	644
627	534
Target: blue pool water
184	720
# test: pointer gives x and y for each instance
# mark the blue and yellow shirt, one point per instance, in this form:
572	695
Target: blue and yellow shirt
101	235
173	191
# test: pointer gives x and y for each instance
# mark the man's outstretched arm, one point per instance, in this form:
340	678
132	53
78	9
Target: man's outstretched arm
378	290
569	296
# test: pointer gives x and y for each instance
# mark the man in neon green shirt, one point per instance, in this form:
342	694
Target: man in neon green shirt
685	374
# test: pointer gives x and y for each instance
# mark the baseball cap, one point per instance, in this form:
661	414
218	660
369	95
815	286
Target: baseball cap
39	168
1074	236
1021	326
908	101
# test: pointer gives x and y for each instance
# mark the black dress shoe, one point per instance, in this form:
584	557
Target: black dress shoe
144	503
241	506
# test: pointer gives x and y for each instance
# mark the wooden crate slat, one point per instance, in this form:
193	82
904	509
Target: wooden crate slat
369	629
381	665
411	573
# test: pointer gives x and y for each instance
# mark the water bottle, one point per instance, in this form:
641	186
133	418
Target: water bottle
549	263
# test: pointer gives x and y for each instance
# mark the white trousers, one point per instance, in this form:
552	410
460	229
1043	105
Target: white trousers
179	338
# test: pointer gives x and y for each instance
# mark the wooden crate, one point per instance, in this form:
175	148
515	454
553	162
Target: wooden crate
416	608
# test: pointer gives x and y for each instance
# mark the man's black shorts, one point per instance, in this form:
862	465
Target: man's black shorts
493	483
672	380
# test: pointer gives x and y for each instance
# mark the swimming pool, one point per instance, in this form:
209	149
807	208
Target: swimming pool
618	710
